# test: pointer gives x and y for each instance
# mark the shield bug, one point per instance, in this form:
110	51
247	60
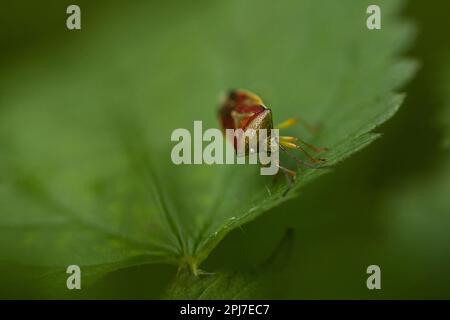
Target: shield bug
242	109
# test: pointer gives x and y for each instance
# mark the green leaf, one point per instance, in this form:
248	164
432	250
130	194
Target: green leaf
220	286
235	285
85	131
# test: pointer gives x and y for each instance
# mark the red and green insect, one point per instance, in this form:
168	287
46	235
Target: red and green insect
242	109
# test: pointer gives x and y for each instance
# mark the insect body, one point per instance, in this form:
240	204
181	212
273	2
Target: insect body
244	110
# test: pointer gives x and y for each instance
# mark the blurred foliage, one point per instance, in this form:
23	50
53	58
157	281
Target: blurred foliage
256	283
79	112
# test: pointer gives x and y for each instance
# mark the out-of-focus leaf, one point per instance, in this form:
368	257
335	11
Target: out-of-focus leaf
221	285
85	133
238	284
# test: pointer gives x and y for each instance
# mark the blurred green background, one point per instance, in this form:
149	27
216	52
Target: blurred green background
386	205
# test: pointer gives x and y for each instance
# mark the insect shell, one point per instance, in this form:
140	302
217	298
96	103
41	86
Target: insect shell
244	110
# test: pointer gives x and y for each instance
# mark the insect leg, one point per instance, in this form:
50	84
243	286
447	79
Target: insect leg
290	181
286	123
291	121
298	160
295	139
312	147
292	174
291	145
